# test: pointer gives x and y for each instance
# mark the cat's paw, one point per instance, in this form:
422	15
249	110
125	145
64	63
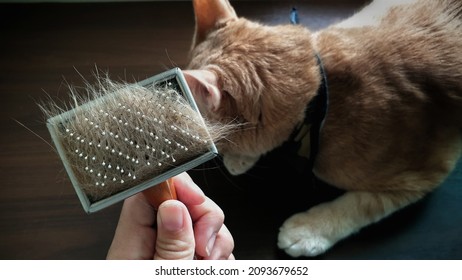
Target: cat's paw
238	164
301	235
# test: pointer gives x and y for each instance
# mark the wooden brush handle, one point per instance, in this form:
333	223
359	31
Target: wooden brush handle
160	193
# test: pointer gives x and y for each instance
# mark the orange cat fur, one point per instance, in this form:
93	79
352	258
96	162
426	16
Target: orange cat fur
393	128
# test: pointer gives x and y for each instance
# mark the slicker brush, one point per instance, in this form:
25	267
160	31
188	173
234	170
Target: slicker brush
119	139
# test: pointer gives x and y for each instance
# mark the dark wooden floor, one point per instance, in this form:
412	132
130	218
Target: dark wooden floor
45	46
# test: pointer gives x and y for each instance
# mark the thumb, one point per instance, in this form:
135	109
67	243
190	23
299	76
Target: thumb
175	235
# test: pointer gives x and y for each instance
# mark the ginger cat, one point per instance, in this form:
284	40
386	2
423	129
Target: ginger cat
392	132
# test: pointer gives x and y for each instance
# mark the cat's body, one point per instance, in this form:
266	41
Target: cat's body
393	128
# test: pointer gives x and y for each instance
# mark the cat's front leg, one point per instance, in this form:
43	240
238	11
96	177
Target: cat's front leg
238	164
313	232
303	234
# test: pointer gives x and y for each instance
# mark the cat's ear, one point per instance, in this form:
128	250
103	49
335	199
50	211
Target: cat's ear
209	14
204	87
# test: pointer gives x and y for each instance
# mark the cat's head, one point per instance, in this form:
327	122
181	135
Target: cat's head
259	76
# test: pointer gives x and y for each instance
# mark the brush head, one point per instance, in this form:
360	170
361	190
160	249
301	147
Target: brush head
124	138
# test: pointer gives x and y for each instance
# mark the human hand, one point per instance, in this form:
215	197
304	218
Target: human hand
187	228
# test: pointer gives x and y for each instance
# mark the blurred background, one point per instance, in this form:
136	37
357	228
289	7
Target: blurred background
47	45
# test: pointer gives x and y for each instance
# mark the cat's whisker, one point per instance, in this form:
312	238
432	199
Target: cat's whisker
172	63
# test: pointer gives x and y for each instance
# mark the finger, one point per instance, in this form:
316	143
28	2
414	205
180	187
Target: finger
134	236
223	246
187	191
207	216
208	219
175	235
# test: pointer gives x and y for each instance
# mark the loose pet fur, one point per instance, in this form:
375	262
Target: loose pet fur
118	138
393	129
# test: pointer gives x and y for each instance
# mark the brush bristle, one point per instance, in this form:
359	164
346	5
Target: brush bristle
120	134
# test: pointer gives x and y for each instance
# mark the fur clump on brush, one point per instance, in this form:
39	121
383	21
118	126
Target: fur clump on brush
122	134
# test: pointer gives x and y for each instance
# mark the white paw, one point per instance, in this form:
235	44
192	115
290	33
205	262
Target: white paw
236	164
302	235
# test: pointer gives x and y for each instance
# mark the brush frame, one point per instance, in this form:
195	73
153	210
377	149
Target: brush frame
53	123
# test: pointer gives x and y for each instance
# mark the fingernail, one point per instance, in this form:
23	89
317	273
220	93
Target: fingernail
194	186
197	189
210	244
171	216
